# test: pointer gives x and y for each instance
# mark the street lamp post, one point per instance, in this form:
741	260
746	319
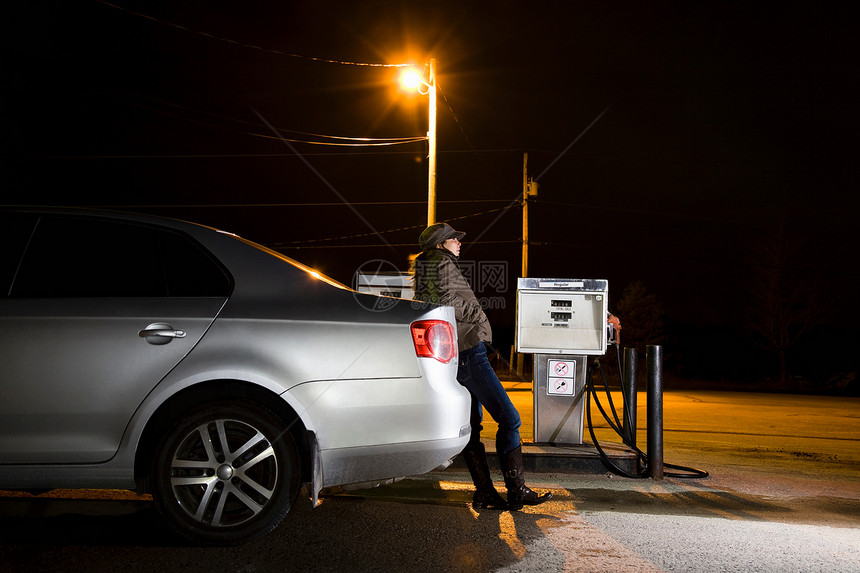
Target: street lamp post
431	139
412	80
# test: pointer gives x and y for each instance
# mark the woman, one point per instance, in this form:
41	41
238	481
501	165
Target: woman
438	279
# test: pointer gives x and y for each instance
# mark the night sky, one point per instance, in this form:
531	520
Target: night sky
674	144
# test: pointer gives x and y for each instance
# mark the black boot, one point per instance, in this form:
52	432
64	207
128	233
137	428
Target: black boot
486	496
519	493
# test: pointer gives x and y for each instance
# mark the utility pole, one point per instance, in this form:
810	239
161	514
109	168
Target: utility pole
525	272
412	80
530	189
431	137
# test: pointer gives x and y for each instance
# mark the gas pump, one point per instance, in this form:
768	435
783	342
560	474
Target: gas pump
561	322
565	323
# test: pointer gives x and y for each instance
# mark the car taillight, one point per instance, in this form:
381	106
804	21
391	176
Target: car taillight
434	339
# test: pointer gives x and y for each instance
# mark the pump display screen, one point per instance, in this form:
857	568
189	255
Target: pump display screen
561	319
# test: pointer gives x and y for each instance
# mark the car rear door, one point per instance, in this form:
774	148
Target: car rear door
98	313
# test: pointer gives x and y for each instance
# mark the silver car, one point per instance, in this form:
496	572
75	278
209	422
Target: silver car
218	375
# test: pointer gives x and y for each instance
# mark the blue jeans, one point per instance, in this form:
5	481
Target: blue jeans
476	374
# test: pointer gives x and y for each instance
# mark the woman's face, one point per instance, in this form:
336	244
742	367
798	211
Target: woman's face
452	245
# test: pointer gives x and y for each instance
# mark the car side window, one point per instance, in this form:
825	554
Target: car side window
190	270
89	257
15	232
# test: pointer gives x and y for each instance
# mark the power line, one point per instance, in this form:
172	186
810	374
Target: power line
411	227
623	210
244	44
281	246
320	204
253	155
292	55
337	140
263	155
454	115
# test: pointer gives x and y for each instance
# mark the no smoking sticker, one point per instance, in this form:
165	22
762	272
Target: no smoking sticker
560	386
560	377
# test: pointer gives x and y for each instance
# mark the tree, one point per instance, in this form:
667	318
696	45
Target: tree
642	317
785	299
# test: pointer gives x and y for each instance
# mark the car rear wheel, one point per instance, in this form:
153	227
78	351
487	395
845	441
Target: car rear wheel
227	473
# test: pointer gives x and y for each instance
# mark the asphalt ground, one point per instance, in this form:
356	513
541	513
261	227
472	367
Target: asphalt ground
782	494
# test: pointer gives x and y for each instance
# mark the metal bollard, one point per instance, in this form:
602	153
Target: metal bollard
654	360
629	390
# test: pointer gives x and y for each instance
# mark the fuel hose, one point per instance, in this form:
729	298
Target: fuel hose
614	423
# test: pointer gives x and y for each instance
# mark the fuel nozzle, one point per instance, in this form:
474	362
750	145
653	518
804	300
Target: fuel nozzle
613	329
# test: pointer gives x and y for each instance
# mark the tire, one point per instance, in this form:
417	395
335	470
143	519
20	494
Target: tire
226	473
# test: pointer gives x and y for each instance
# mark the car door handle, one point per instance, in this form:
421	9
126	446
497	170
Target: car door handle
160	333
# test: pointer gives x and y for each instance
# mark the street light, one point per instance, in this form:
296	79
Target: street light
412	80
